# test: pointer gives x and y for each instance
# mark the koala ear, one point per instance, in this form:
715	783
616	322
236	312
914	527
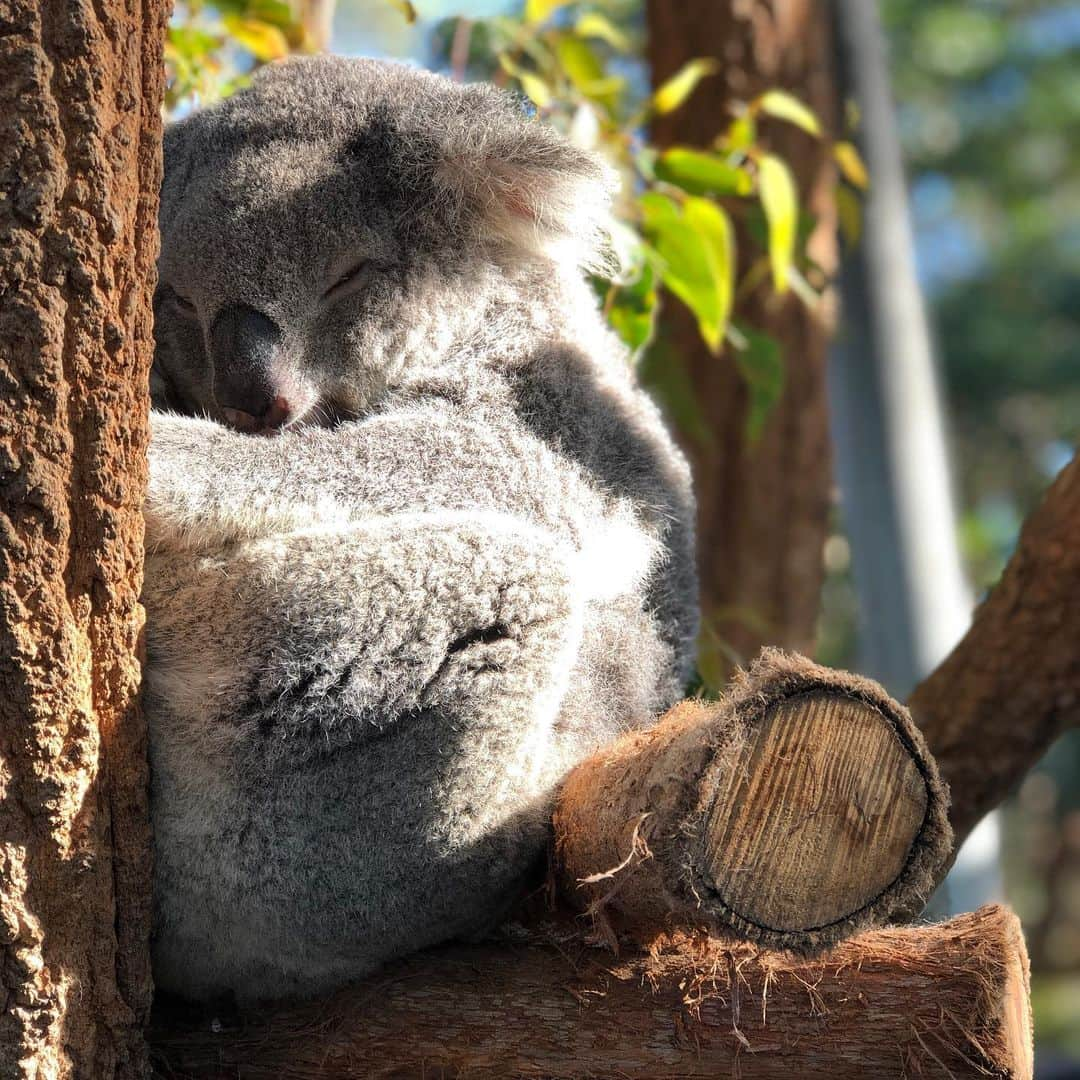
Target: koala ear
526	185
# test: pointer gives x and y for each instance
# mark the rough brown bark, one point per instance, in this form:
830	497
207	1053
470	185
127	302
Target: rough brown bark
947	1000
763	509
80	133
798	810
1012	685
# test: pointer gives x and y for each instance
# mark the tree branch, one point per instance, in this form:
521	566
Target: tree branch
1012	685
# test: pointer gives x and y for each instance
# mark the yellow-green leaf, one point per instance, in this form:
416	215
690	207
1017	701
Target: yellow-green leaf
740	135
702	173
671	94
406	8
536	89
776	188
594	25
581	64
781	104
851	165
714	227
538	11
761	365
695	251
263	40
849	214
534	86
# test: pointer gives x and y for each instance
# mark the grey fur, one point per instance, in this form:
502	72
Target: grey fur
378	639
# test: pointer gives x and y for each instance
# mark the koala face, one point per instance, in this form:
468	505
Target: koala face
330	220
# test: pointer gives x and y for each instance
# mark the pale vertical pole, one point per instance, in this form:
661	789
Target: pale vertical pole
891	446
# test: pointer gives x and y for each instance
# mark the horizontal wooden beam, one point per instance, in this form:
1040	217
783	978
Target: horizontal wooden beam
948	1000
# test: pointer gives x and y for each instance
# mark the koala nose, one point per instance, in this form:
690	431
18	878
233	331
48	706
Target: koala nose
243	344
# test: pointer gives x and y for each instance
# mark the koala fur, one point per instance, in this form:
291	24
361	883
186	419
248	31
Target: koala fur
457	558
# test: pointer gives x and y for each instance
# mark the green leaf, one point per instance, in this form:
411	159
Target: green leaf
191	43
581	64
537	90
594	25
702	173
696	254
669	96
781	104
761	365
714	227
406	8
263	40
741	133
657	208
632	309
271	11
851	165
779	200
538	11
849	215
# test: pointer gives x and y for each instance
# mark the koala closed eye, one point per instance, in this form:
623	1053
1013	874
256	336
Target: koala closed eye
181	303
347	281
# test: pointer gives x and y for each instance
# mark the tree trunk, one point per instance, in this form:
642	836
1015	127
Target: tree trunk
946	1000
763	509
80	135
1012	685
796	811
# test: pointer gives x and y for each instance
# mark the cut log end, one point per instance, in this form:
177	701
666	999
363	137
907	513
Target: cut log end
818	817
801	808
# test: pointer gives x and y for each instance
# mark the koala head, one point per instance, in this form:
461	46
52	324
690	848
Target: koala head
333	217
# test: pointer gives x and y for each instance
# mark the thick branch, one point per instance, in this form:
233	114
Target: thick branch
1012	685
798	810
946	1000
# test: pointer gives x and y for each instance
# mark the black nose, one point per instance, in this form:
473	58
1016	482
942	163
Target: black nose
243	343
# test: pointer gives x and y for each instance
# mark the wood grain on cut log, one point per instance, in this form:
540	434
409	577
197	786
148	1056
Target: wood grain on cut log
939	1001
80	152
799	809
1012	685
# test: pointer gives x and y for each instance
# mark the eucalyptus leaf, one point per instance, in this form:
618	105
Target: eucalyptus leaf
851	165
702	173
784	106
592	24
761	365
779	199
695	250
538	11
671	94
263	40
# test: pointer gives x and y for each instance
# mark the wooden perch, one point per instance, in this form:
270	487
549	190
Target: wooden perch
800	809
947	1000
1012	685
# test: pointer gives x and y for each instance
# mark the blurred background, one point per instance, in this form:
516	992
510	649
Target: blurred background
847	233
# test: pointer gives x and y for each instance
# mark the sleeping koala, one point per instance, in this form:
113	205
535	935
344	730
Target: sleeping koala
417	543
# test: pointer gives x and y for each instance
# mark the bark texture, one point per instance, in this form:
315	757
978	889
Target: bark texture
763	509
801	808
1012	685
80	135
940	1001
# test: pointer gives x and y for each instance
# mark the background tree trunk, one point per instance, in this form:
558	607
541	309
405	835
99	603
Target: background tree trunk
763	509
80	137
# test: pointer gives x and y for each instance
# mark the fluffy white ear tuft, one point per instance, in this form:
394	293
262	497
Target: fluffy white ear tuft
531	188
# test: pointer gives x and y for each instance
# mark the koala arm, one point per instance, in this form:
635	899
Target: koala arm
211	486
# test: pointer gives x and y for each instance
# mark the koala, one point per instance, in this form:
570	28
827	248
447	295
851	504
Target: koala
416	540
